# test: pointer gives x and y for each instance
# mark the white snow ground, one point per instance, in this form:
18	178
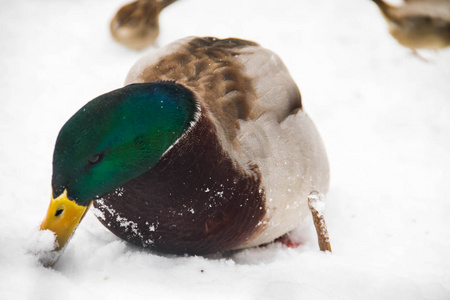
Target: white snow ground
384	116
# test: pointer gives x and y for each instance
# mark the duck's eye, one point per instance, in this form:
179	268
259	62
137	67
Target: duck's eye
96	158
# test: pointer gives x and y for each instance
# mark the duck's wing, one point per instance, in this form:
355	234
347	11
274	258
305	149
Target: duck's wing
235	79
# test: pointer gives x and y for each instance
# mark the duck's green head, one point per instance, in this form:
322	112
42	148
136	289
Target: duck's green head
111	140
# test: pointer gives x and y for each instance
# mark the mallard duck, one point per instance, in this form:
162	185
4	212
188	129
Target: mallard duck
419	24
136	25
205	149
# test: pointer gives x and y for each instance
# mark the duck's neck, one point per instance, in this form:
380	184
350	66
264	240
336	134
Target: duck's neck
192	199
387	10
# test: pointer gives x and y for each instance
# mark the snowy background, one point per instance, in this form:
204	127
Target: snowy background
383	113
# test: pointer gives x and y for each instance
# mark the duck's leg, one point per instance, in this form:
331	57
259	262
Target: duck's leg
417	54
315	203
288	241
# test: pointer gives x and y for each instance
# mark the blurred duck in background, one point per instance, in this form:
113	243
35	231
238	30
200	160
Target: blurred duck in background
136	25
418	24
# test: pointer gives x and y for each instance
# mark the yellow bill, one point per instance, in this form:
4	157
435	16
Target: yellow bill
63	217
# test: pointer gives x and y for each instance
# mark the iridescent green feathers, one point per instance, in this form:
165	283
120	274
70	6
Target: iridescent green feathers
118	136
